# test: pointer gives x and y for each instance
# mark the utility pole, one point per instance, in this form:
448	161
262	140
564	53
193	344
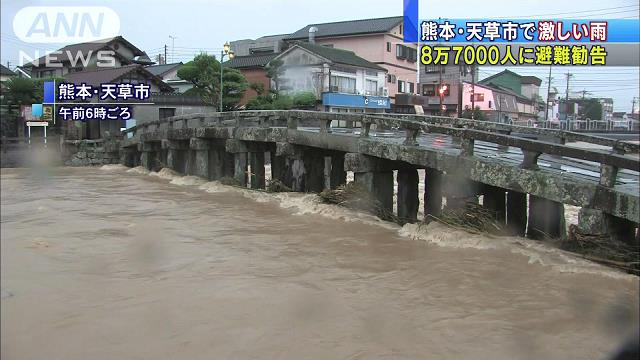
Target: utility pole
9	65
473	92
165	53
440	93
546	109
566	97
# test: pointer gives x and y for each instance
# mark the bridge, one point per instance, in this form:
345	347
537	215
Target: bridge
525	174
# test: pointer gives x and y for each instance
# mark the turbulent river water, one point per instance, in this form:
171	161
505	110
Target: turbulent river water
117	263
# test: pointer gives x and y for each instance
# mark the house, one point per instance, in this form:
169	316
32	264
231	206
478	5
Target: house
169	74
111	52
134	74
379	41
5	73
343	81
451	77
498	104
253	67
607	108
526	86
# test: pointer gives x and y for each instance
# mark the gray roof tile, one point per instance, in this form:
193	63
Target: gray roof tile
365	26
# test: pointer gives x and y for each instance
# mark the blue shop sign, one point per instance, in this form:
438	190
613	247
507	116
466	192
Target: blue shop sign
355	101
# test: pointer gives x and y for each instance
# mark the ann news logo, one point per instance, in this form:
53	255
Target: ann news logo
65	24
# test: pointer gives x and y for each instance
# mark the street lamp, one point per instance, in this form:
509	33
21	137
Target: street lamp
226	50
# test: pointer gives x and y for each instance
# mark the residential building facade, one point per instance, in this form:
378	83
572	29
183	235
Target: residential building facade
379	41
343	81
263	45
169	74
497	105
111	52
450	78
253	69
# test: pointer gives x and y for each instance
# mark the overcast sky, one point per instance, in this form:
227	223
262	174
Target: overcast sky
204	25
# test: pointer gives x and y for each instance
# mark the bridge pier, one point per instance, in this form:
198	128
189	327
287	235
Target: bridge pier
408	200
216	159
149	153
546	218
129	156
459	191
177	155
314	164
337	173
199	154
375	175
597	222
257	175
293	171
494	200
433	193
240	160
516	212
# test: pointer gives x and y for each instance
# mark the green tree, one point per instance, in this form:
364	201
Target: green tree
204	73
16	93
591	109
305	99
477	114
275	72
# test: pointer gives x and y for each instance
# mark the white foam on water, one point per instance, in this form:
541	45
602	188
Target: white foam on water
535	251
165	173
114	167
433	233
138	170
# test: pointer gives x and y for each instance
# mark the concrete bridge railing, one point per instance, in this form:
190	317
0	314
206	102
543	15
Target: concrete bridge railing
463	159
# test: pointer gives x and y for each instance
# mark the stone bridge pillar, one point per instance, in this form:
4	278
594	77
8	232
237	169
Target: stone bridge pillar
291	160
597	222
375	175
257	174
150	153
494	200
408	201
334	167
220	162
546	218
199	166
240	160
433	192
177	155
129	156
516	209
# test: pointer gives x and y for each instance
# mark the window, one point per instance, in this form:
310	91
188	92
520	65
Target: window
388	46
400	52
371	73
411	89
343	84
166	113
477	97
428	90
371	87
401	88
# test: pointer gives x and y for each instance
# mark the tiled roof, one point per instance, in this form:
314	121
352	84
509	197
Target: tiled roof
98	76
250	61
86	47
159	70
338	55
5	70
364	26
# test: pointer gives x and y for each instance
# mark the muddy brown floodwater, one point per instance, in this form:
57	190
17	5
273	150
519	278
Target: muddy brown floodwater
110	263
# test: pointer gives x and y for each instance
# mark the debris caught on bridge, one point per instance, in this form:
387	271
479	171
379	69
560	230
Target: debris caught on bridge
472	218
275	185
356	197
603	249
